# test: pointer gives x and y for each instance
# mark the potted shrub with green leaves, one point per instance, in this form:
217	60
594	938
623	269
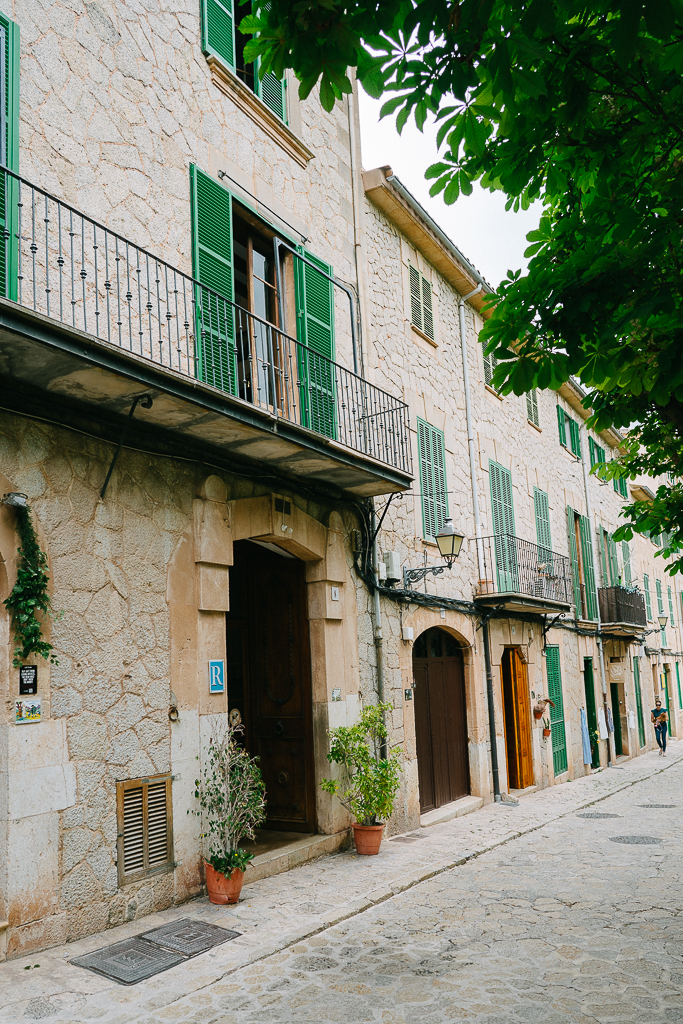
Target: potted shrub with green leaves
231	796
547	731
370	782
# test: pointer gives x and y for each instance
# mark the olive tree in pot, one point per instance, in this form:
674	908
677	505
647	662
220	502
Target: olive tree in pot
370	782
231	797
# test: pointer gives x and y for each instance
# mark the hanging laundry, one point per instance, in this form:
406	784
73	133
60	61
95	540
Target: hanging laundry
610	720
631	719
587	758
602	724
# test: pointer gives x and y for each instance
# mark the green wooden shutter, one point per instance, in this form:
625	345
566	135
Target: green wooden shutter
427	309
648	598
559	737
270	89
315	329
532	406
660	610
562	425
574	558
620	486
678	684
9	157
415	298
574	437
502	512
671	608
613	560
431	451
211	207
603	556
626	555
588	569
542	523
218	30
639	701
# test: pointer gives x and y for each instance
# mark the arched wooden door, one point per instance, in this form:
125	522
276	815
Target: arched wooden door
440	719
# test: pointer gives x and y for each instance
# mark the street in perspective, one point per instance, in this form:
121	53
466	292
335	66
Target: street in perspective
565	908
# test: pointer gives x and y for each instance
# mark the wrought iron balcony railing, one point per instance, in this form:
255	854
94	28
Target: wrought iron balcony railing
516	566
622	605
67	266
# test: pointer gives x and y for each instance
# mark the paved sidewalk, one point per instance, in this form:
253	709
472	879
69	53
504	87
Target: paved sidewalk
286	910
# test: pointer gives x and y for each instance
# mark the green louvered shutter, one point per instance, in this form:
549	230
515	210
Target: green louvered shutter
639	701
671	608
542	513
503	516
211	207
218	30
9	157
270	89
315	330
588	569
574	437
603	556
532	407
613	560
648	597
660	609
574	559
558	734
431	452
678	684
626	555
562	425
415	297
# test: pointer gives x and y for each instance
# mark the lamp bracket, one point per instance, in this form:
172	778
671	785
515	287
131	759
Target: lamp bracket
491	612
145	400
416	575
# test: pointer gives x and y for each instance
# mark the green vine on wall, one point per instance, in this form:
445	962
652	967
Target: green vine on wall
29	594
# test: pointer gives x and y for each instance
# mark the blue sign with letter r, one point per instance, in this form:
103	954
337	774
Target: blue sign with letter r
217	677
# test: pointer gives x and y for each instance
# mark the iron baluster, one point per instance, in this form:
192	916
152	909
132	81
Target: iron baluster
117	258
34	247
47	256
97	287
83	273
60	263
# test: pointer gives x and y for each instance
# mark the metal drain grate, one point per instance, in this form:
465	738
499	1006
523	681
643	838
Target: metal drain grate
145	955
658	805
130	961
597	814
635	840
189	937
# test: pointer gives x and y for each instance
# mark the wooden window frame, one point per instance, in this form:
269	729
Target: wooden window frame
122	786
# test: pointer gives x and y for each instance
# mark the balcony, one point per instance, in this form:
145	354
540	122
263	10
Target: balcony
524	577
622	611
91	321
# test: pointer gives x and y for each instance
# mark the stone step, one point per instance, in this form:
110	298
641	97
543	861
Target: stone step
294	853
456	809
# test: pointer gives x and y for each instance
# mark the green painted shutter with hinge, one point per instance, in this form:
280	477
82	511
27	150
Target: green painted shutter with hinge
588	569
218	30
648	597
431	453
574	437
678	684
211	208
315	330
270	89
415	297
574	559
604	556
542	513
9	154
562	425
671	608
613	560
639	701
626	555
556	713
502	513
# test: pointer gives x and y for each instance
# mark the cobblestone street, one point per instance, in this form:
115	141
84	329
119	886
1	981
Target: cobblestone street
548	919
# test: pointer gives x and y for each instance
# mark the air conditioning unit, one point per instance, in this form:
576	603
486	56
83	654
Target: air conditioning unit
393	566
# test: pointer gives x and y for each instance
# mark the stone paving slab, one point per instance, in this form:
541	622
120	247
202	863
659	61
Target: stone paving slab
279	915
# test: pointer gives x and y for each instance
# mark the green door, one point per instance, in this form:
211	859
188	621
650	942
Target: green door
211	208
503	528
315	330
616	718
639	701
558	734
591	711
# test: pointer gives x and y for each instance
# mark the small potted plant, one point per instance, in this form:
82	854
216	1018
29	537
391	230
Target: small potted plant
231	796
546	727
542	706
371	781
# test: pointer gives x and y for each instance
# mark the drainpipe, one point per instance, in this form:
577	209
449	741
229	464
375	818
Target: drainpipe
356	195
377	616
477	534
594	553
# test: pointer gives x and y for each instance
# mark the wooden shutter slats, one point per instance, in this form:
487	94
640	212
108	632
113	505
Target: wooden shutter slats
415	298
433	484
588	569
532	406
427	310
314	295
648	597
145	827
574	558
556	713
218	30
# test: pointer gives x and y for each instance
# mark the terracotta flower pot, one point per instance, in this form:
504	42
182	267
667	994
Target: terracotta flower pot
539	713
367	838
547	732
224	888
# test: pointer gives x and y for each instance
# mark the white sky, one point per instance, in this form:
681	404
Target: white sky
492	240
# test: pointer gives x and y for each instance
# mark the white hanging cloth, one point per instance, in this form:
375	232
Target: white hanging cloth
602	724
631	720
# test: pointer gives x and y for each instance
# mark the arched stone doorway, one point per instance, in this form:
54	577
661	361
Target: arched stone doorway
440	719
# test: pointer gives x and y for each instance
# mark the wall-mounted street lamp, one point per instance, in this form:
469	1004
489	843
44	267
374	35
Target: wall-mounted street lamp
662	620
449	542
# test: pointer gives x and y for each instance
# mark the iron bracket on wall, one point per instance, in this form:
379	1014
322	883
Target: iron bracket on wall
489	615
417	575
145	400
547	626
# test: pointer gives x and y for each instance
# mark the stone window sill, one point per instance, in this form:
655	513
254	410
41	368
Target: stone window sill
230	85
493	392
535	426
425	337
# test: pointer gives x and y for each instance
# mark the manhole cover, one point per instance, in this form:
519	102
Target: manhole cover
635	840
657	805
404	839
597	814
130	961
189	937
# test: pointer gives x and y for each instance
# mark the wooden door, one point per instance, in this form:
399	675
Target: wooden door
440	720
269	591
517	720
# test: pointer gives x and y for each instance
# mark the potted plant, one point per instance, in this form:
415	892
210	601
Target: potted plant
371	781
542	706
546	727
231	797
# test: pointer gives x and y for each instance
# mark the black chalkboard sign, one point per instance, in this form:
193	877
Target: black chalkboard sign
28	679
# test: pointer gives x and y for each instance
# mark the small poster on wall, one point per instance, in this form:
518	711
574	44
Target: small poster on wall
26	711
28	679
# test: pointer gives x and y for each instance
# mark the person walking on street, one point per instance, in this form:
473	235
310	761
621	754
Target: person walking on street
659	716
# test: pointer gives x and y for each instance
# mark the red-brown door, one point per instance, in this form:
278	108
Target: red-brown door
440	719
517	719
268	624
